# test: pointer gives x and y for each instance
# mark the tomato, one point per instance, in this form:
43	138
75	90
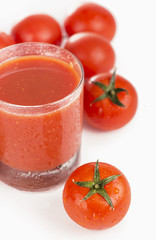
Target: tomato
37	28
91	17
5	40
95	52
97	195
110	101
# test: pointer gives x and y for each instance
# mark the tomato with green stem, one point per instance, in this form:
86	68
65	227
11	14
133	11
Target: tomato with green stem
97	195
110	101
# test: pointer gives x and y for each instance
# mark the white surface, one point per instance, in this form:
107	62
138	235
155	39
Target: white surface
41	216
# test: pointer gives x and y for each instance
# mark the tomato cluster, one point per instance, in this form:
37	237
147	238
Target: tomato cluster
92	48
110	102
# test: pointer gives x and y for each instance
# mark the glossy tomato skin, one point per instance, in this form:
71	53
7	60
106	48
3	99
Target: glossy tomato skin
37	28
104	114
95	52
95	213
5	40
91	17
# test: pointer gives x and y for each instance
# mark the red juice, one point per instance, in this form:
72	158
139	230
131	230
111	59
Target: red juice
40	118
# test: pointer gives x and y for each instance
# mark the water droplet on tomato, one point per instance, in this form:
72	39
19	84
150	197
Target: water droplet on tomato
116	191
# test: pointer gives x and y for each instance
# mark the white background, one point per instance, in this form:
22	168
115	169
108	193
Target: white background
41	216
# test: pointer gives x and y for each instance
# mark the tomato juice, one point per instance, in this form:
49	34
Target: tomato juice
40	114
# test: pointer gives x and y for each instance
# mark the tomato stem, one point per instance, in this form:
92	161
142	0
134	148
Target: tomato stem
97	185
110	91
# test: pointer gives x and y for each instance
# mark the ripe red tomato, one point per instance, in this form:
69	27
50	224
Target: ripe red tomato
95	52
5	40
37	28
97	196
91	17
117	102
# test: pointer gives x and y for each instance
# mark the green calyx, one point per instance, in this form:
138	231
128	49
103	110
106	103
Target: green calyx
97	185
110	91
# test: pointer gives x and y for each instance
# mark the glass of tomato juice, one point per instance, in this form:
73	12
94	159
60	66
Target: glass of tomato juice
41	105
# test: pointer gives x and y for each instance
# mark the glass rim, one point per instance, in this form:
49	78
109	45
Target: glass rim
46	105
